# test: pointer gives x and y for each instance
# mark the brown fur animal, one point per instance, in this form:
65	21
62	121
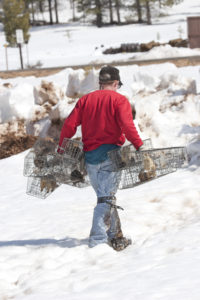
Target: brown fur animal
47	184
149	170
41	148
125	157
39	162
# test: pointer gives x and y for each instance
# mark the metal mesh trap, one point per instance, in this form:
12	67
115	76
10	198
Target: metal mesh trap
47	169
140	166
45	146
41	187
72	149
125	156
147	144
36	164
73	173
73	167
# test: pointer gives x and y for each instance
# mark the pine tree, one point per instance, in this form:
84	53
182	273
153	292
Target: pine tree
15	17
148	6
169	2
102	9
92	7
110	11
117	5
148	11
139	11
56	11
50	12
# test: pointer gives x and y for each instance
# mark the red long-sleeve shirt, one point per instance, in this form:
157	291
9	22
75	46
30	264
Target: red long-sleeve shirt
105	117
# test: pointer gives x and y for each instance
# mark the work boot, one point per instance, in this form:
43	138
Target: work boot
120	243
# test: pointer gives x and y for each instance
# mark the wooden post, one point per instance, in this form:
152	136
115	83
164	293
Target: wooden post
6	54
20	54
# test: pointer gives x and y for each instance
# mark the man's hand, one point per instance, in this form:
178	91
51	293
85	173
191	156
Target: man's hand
60	150
142	148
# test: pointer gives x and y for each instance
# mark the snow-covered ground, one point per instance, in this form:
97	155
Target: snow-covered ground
68	44
43	246
44	252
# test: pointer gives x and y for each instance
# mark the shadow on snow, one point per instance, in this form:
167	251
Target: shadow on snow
64	243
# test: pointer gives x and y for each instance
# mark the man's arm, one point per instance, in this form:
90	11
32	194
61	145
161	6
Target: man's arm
125	120
71	123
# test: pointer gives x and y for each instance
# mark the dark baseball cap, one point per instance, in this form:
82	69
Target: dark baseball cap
108	74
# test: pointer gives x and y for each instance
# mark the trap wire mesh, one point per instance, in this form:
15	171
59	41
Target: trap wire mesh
72	149
123	157
140	166
47	169
41	187
73	164
147	143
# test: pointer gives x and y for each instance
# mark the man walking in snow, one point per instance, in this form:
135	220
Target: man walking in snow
105	117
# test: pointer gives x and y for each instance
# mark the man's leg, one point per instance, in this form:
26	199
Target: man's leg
100	223
98	233
109	184
106	226
115	230
105	183
116	238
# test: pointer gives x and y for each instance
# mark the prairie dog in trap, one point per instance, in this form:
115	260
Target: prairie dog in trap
149	170
47	184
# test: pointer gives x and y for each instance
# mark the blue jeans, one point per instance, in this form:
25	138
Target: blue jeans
106	222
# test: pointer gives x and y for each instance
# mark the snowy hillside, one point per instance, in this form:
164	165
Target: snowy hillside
43	246
44	252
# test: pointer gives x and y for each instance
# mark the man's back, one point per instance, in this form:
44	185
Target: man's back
100	120
105	117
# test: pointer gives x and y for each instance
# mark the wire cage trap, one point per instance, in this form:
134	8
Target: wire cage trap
41	187
140	166
147	143
36	164
48	169
125	156
72	149
74	172
41	158
45	146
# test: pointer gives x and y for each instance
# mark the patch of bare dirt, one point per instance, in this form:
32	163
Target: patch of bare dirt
14	139
178	61
30	72
16	144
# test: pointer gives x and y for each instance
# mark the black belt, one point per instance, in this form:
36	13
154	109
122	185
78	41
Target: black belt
106	200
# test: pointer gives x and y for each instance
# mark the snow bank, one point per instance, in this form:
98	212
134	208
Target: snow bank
81	82
143	81
169	79
166	102
7	112
16	102
168	51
